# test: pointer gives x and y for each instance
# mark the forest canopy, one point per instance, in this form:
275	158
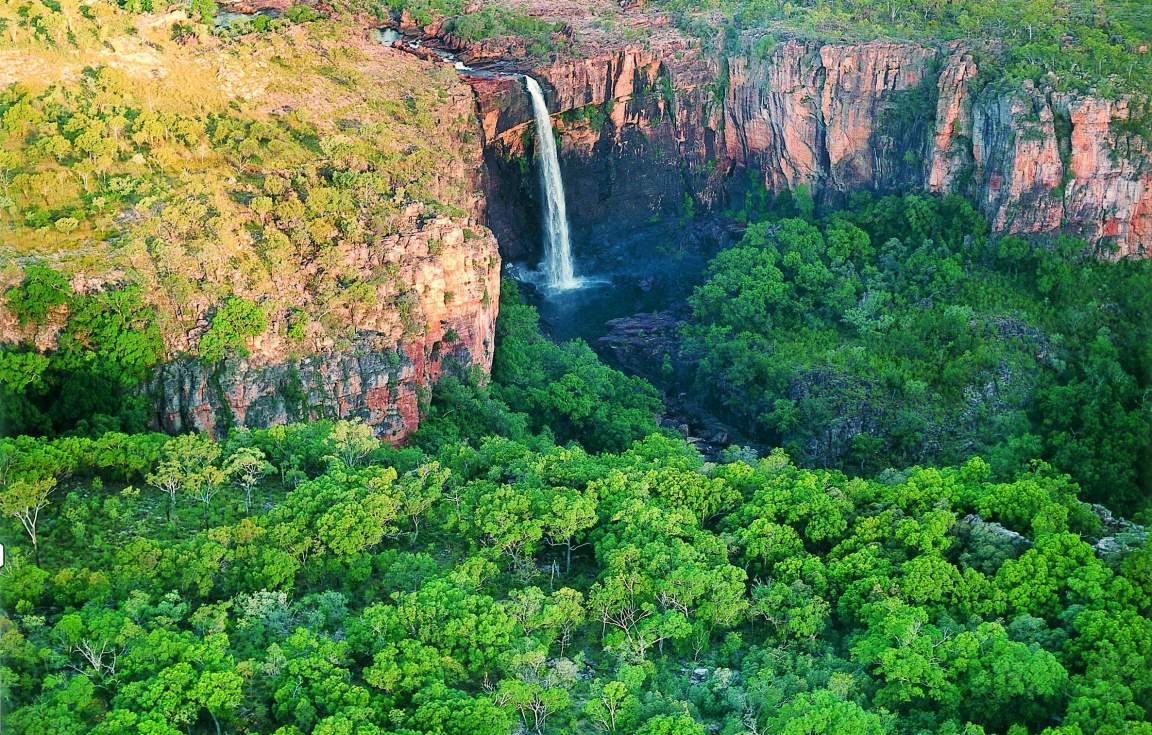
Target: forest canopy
484	580
307	579
898	331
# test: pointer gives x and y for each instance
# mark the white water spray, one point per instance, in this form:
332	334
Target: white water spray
557	267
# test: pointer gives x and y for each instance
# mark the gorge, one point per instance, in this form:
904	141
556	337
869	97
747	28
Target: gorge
664	147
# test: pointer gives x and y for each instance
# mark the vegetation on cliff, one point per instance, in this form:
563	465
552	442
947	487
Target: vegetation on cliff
1102	45
163	178
160	199
89	383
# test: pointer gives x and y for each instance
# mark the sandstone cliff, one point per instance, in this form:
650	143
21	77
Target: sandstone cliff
447	317
644	126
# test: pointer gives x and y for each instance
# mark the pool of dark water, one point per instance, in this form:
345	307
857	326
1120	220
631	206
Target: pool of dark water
650	269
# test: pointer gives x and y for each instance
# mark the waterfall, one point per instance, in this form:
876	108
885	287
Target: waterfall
557	265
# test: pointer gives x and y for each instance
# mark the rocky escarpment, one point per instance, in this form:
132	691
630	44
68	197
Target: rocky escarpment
646	130
427	302
324	185
443	318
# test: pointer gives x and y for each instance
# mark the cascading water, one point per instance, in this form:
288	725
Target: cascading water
557	268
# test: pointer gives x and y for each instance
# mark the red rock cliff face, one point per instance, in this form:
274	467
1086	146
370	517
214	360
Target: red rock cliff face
442	316
826	116
446	315
641	129
1109	178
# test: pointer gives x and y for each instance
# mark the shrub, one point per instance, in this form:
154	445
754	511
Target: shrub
42	290
235	321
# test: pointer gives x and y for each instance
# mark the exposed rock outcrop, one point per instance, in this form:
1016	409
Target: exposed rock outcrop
1119	536
1017	161
636	342
1108	174
974	530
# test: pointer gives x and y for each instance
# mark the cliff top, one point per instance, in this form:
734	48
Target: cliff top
140	149
1108	52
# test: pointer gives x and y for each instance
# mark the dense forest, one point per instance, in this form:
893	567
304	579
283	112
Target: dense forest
485	579
897	331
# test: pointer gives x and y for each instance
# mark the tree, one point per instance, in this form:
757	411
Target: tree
1096	423
407	667
671	725
470	628
247	466
42	291
1005	682
826	713
23	498
564	612
771	542
704	496
613	705
507	519
620	602
98	636
556	615
187	466
565	388
205	10
453	712
69	708
538	689
904	650
205	485
181	691
793	610
351	441
232	324
419	491
569	513
312	679
345	514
